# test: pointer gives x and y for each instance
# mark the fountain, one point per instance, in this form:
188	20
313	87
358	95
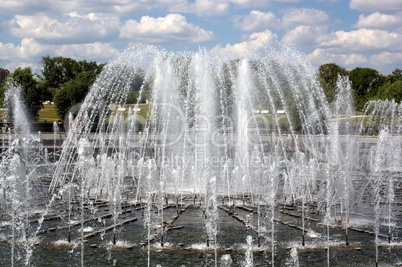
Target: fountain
238	161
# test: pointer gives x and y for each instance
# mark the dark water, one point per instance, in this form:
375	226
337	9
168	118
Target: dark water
186	245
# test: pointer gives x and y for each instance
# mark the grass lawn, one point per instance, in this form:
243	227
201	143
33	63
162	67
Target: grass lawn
48	114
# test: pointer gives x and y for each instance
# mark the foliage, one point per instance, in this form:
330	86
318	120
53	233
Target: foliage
391	91
396	75
70	81
33	92
365	84
133	95
328	76
135	87
73	92
72	78
59	70
2	91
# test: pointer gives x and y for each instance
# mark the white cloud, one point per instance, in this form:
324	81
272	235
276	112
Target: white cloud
247	3
25	6
304	35
128	7
256	21
26	54
29	48
381	61
322	56
116	7
379	20
70	28
173	28
259	3
364	39
257	42
207	8
29	52
211	7
377	5
57	27
374	48
304	16
386	58
92	51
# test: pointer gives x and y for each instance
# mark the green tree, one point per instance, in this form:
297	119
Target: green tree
328	76
33	92
2	91
59	70
396	75
73	92
391	91
133	95
62	102
137	82
365	84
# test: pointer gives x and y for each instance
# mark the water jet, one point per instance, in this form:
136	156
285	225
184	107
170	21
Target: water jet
272	164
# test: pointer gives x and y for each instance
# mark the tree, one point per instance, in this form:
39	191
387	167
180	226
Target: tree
33	92
328	76
365	84
391	91
396	75
73	78
73	92
2	91
62	102
59	70
137	82
133	95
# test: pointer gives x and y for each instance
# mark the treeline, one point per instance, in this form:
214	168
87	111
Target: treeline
66	82
63	81
367	84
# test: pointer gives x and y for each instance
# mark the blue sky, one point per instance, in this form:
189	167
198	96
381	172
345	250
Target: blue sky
350	33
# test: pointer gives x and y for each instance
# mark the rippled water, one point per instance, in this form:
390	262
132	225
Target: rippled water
185	245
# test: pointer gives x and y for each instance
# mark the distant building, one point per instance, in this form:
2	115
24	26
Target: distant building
3	74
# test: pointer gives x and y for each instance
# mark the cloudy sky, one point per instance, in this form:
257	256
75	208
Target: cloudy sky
351	33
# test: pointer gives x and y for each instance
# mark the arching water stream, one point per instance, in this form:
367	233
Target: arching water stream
237	161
